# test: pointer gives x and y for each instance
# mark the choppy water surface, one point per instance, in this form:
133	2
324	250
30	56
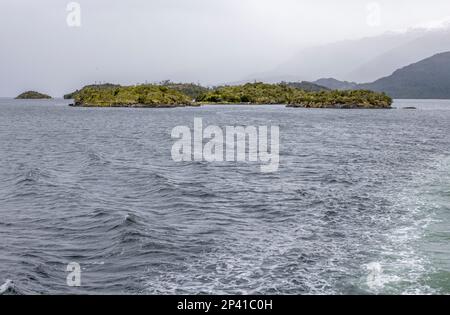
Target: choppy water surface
360	203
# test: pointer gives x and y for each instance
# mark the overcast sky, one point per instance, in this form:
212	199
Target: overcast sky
207	41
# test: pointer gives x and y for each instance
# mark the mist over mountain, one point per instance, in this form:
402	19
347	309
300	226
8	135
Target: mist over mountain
362	60
334	84
430	43
426	79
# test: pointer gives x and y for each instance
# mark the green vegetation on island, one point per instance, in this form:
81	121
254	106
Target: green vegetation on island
250	93
168	94
342	99
262	93
130	96
306	86
194	91
190	89
32	95
96	86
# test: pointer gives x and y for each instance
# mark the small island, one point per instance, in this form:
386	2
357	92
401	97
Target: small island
363	99
168	94
190	89
32	95
287	94
131	96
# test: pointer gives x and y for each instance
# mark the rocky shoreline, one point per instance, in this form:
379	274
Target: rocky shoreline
339	106
136	105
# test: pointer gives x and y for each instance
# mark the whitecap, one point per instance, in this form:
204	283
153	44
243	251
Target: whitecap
7	286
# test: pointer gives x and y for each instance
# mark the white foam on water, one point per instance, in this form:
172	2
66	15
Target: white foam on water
377	279
6	286
403	267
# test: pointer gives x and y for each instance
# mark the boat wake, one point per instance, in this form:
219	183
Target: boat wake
403	267
7	288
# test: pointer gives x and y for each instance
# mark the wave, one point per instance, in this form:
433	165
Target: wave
8	288
32	176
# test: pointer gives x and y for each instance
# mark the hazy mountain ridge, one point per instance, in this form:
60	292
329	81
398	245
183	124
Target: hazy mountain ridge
334	84
343	59
429	44
428	78
360	60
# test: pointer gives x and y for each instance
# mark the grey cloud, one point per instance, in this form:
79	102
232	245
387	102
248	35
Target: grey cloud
190	40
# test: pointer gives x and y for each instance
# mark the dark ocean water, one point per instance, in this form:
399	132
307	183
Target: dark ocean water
360	203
